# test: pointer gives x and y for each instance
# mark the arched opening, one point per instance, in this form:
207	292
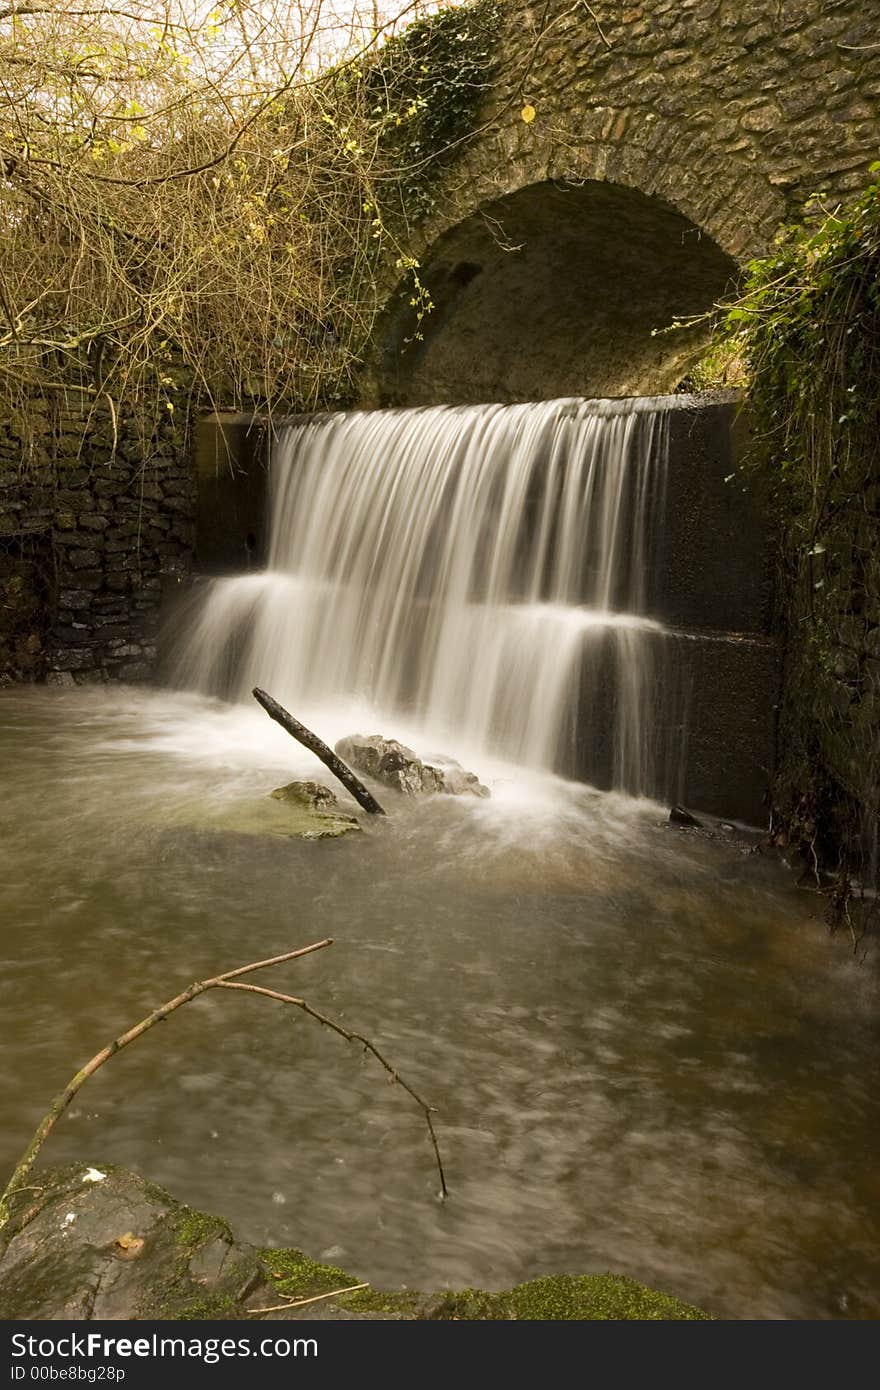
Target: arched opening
554	290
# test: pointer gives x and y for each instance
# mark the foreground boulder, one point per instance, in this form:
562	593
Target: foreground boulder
398	766
102	1243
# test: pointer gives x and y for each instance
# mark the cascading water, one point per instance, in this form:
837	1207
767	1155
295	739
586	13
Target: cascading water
479	570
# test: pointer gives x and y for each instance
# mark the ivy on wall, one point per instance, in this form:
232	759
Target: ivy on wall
807	328
438	70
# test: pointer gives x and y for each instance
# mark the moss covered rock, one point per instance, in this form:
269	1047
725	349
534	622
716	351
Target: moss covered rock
311	796
301	811
103	1243
569	1297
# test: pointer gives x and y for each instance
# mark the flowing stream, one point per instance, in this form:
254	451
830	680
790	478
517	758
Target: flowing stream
646	1054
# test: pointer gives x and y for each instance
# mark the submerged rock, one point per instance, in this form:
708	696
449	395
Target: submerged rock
398	766
103	1243
293	816
680	816
310	795
310	813
314	825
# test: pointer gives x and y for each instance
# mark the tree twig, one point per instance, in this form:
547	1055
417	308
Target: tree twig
315	745
230	979
428	1110
594	17
303	1302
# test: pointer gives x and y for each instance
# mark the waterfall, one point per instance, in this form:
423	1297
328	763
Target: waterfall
480	570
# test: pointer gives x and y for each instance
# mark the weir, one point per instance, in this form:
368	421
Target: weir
501	577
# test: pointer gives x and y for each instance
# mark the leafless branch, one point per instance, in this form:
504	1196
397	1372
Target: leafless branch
230	979
304	1302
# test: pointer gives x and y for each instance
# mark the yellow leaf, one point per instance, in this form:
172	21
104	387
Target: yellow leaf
528	113
129	1246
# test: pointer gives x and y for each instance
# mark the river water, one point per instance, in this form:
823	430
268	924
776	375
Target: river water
646	1055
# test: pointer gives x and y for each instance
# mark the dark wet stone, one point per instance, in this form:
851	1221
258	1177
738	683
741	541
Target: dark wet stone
103	1243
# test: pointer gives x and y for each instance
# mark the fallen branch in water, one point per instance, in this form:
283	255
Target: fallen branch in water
229	980
320	749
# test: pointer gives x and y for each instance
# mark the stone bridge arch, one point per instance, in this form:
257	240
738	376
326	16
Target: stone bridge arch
670	143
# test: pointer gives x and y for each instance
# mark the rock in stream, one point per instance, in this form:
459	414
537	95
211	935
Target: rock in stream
398	766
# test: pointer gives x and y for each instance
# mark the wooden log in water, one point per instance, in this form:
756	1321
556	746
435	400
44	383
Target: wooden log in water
317	746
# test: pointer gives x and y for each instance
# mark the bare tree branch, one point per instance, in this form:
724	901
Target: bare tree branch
365	1043
228	980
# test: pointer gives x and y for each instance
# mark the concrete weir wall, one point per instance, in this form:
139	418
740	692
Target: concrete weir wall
711	583
715	682
231	468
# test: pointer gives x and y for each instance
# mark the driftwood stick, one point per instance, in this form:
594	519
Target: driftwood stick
302	1302
228	980
427	1110
320	749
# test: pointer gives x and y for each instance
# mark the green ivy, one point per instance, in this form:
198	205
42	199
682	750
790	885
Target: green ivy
428	88
807	328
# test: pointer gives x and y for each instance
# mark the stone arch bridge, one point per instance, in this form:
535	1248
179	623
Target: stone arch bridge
671	140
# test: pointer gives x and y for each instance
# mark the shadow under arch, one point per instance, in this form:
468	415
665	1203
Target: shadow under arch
557	289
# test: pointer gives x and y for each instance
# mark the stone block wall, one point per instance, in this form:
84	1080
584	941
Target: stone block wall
96	517
670	141
731	111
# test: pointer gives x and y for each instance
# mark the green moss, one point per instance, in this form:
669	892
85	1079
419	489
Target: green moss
555	1297
558	1297
469	1305
193	1228
205	1308
179	1298
403	1304
294	1275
